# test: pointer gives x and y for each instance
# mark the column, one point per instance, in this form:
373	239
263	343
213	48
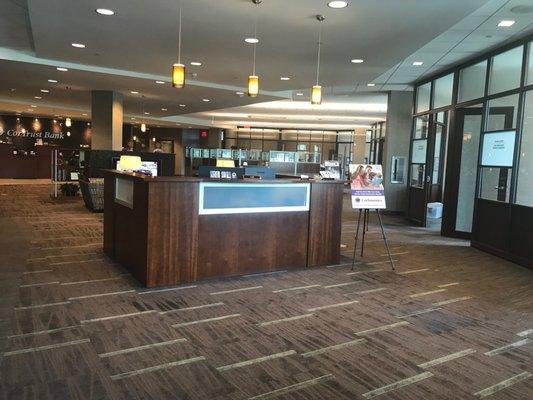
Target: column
107	119
397	140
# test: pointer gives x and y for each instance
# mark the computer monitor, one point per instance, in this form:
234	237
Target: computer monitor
151	166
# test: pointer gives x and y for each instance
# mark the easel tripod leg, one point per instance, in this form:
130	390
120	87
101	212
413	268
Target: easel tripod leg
356	237
365	227
385	239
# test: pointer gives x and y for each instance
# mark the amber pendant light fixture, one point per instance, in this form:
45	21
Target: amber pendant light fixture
143	125
178	69
253	80
316	90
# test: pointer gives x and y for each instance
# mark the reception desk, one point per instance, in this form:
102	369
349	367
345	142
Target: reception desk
175	230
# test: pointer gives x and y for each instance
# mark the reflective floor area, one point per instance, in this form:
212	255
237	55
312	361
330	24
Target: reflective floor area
451	323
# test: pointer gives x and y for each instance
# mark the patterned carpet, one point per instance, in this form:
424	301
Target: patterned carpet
450	323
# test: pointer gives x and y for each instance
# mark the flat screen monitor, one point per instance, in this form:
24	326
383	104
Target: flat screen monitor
498	149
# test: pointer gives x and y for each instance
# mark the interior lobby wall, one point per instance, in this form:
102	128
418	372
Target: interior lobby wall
399	120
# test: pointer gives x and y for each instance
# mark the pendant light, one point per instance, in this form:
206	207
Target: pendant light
68	122
143	125
316	91
253	80
178	69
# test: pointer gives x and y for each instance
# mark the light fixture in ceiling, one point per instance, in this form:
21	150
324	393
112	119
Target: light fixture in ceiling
316	91
370	84
134	92
418	63
239	93
84	114
62	69
143	125
251	40
78	45
160	82
33	106
52	81
357	61
303	105
299	94
164	109
285	78
206	100
506	23
178	69
196	63
68	122
182	105
38	97
45	91
105	11
253	80
338	4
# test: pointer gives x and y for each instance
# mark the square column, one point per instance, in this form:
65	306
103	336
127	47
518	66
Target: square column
107	119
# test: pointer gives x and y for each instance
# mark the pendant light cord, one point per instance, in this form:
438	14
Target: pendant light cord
255	37
179	37
319	48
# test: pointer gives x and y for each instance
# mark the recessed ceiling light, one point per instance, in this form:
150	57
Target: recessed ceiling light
163	109
146	113
206	100
370	84
45	91
299	94
32	106
134	92
105	11
182	105
196	63
62	69
338	4
285	78
38	97
78	45
251	40
52	81
160	82
357	61
239	93
84	114
506	23
418	63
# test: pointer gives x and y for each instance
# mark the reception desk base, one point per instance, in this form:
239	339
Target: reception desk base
168	231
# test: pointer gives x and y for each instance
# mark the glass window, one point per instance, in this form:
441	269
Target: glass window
495	183
418	172
442	91
502	113
418	154
421	127
506	70
439	132
524	194
423	94
472	82
529	72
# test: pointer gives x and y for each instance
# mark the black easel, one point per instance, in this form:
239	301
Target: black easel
366	216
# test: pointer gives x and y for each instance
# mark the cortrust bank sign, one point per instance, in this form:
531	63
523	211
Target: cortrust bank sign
33	135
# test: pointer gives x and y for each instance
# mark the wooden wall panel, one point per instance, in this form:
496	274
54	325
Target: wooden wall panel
109	215
246	243
325	224
172	233
491	225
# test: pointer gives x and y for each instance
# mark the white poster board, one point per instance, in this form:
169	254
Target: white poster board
366	184
498	149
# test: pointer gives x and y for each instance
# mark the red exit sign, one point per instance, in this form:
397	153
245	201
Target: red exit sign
204	133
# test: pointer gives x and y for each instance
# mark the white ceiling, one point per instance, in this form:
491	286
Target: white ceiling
134	48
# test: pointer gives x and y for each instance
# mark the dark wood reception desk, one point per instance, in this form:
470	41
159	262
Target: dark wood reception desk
174	230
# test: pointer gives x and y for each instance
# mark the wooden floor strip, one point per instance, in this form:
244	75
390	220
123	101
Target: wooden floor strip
334	347
264	274
525	333
49	331
346	303
503	385
449	357
382	328
139	348
115	278
77	262
369	291
422	294
112	317
364	272
245	289
192	308
256	360
448	284
48	347
156	368
295	288
59	303
508	347
292	388
37	272
397	385
451	301
39	284
279	321
342	284
203	321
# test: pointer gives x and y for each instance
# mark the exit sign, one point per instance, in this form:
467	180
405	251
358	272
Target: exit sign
204	133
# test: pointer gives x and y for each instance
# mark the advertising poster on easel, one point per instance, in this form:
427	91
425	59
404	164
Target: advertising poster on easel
366	184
